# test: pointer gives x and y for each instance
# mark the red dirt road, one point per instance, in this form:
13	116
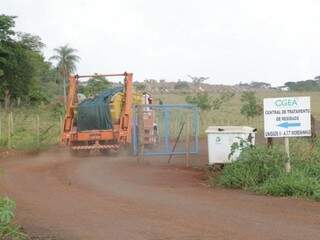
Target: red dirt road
116	198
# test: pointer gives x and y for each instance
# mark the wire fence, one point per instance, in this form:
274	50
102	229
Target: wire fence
29	130
21	129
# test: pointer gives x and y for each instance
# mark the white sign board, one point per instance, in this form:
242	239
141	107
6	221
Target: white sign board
287	117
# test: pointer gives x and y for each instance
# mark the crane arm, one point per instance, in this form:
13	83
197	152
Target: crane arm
69	117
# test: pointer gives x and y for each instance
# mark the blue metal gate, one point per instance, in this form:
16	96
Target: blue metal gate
176	129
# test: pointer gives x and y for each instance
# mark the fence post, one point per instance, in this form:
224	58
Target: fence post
269	142
313	131
140	133
0	126
188	142
38	129
288	162
9	131
61	127
166	125
11	121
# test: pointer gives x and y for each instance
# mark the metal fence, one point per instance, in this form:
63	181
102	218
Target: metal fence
175	129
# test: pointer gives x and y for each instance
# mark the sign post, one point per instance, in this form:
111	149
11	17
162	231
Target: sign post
287	165
287	117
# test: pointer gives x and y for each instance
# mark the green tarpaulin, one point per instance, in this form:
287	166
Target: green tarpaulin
94	114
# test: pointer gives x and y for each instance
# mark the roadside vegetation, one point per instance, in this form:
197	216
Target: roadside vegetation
31	127
8	229
262	170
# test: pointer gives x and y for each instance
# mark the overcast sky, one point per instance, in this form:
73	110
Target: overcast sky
229	41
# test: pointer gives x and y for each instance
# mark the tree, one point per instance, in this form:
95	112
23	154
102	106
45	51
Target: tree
197	81
181	85
308	85
223	98
259	85
250	106
205	102
7	24
22	65
6	32
67	59
201	100
31	42
140	87
94	86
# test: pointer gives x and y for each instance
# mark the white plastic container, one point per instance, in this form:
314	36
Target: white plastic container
221	138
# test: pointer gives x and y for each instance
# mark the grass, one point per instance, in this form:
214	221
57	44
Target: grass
31	128
261	169
24	135
229	113
9	230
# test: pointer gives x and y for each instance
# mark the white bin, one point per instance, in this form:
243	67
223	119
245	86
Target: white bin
221	138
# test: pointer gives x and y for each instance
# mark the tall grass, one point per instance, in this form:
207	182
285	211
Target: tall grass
30	127
261	169
9	230
24	135
229	113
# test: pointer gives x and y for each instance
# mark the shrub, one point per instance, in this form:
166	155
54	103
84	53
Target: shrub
8	230
201	100
182	85
250	107
294	184
253	167
261	169
206	102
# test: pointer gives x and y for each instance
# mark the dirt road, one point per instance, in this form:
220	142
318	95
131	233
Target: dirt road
116	198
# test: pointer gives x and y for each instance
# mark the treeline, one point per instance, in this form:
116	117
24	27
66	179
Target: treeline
308	85
25	76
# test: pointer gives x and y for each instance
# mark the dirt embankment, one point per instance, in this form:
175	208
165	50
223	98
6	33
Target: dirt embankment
116	198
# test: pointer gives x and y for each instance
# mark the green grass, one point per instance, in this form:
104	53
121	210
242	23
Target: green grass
229	113
9	230
261	170
25	133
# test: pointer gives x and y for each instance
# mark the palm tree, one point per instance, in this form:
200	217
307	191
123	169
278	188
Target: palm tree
67	59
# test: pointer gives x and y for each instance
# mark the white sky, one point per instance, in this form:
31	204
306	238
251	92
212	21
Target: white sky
230	41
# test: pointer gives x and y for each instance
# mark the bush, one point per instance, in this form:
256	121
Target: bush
8	230
253	167
294	184
182	85
206	102
261	169
250	105
201	100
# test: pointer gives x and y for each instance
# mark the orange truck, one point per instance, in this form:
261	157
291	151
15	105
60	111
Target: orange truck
103	140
